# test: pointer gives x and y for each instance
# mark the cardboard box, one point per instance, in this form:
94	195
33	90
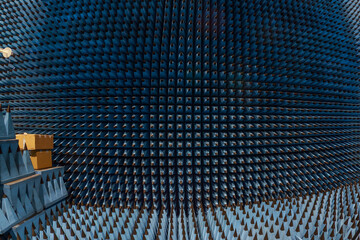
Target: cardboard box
36	141
41	159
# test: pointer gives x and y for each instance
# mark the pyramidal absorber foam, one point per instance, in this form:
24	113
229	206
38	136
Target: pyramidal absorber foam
193	103
330	215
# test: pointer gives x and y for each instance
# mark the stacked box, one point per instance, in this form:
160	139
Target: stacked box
39	147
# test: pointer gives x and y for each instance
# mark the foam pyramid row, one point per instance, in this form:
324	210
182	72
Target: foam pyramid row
198	101
21	200
52	186
328	215
30	195
18	184
14	164
24	192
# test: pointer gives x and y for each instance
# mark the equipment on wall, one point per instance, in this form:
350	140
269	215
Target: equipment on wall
6	52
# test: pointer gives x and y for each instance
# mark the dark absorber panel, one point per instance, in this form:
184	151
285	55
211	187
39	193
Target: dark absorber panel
215	101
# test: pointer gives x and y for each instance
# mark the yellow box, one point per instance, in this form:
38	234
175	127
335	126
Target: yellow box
36	141
41	159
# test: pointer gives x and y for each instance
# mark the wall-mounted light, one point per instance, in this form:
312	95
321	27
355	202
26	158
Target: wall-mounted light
6	52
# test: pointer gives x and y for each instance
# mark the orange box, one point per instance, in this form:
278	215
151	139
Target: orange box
41	159
36	141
